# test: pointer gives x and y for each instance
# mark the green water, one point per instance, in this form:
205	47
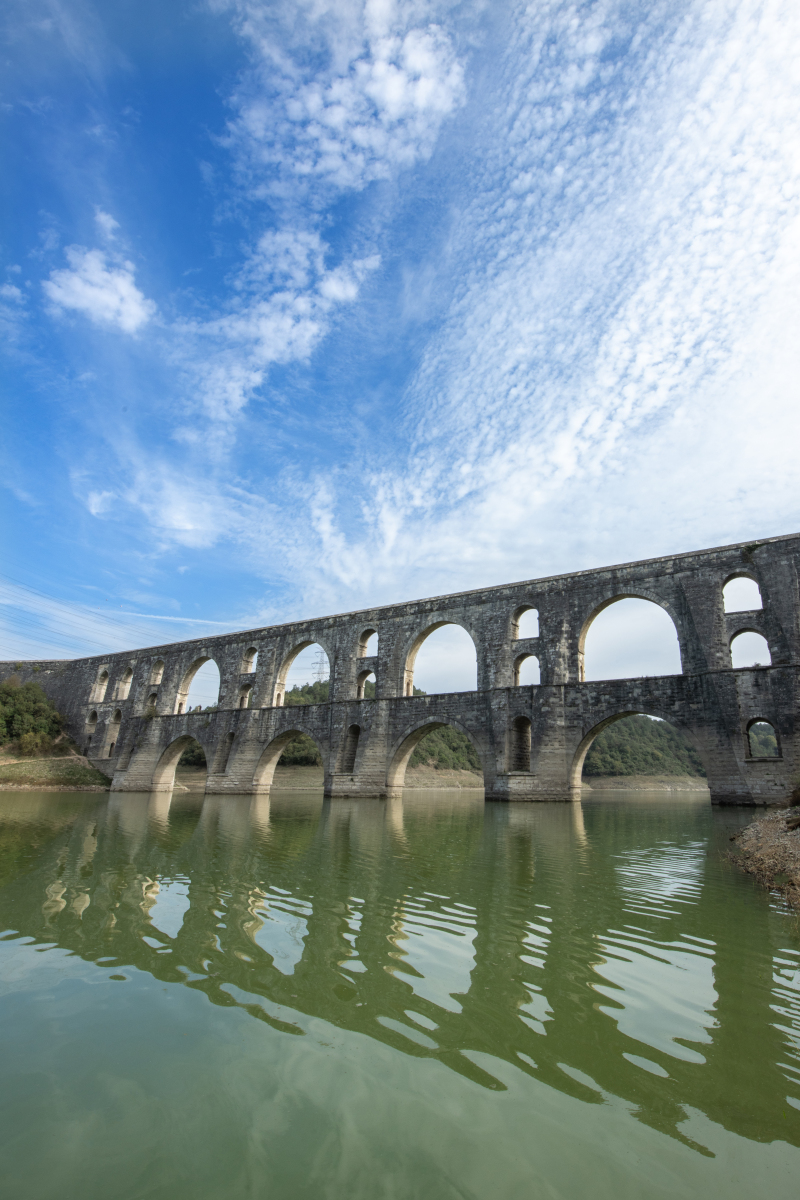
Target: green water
433	997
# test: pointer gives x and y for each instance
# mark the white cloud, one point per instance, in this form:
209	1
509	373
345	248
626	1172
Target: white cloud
106	294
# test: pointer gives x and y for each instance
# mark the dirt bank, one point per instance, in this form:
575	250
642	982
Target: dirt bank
644	783
771	851
67	773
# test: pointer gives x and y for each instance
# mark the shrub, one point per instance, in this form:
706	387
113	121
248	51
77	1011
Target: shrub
25	709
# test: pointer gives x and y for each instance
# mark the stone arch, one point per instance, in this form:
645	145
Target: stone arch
525	622
736	599
753	750
280	681
164	772
756	644
519	662
406	744
124	685
157	672
100	687
578	758
249	661
186	682
265	767
245	694
416	645
638	594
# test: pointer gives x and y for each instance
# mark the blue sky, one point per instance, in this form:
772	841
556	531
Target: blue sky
313	306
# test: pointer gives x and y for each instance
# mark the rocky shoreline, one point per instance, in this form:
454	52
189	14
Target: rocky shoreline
769	849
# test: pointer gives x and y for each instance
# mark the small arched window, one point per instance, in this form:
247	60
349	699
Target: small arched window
124	685
152	700
100	687
157	672
365	685
762	740
741	594
526	671
750	649
368	644
525	623
249	661
350	749
244	695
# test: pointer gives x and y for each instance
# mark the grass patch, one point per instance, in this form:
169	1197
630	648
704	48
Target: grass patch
44	772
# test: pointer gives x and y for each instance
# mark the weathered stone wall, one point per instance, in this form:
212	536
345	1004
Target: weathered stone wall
366	743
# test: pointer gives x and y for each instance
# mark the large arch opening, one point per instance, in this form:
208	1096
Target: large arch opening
291	760
626	638
442	659
199	686
435	747
193	768
750	649
304	677
741	594
635	744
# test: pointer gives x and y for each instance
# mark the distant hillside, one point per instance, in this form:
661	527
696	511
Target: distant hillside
639	746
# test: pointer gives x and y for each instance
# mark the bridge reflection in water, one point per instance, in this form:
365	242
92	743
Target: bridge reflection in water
604	948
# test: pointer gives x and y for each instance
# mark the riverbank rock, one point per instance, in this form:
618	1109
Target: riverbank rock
769	849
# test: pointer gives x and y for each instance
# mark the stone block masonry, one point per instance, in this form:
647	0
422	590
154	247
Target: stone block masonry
127	710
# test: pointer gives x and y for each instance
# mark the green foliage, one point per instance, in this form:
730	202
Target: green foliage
301	752
24	709
763	743
193	756
640	746
446	750
307	693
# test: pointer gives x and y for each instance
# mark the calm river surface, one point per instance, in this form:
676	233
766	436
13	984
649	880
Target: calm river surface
426	998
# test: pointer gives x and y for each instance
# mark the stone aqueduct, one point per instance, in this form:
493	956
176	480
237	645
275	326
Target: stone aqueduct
531	739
